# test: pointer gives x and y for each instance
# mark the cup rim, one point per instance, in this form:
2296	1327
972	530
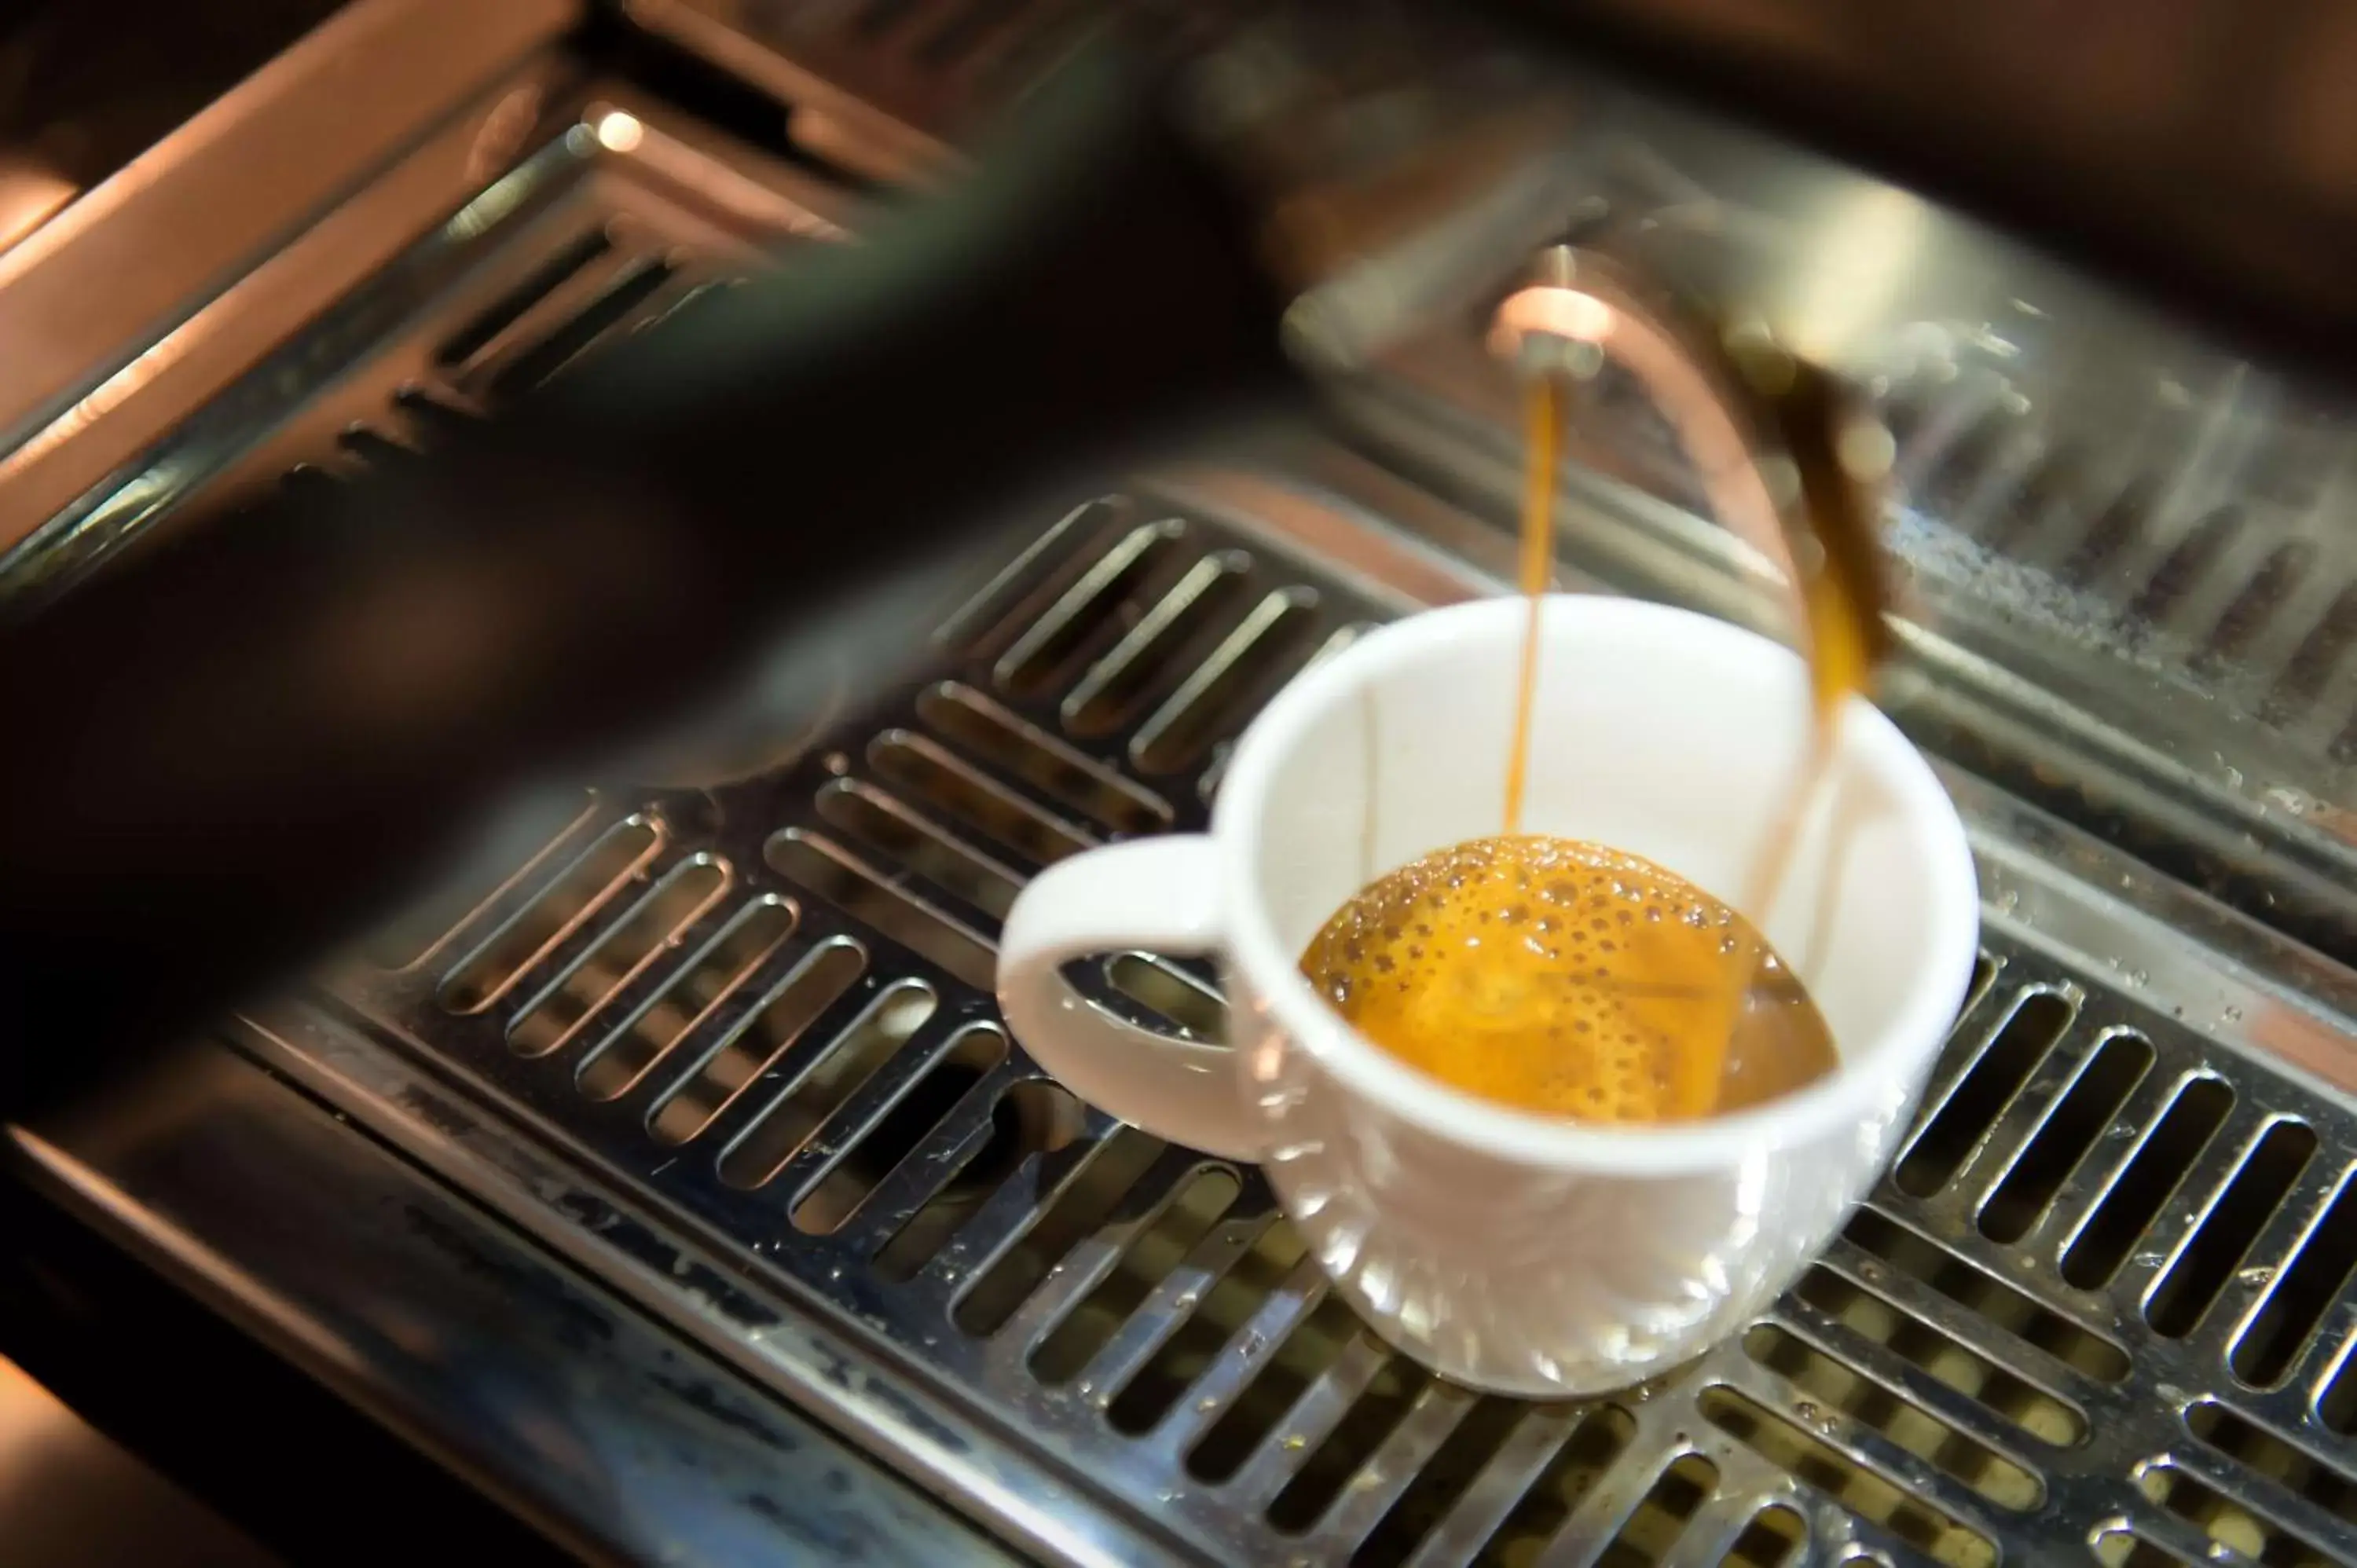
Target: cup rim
1861	1088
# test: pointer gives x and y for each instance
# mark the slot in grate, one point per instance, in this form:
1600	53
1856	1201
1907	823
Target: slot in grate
2234	1527
2036	1412
1857	1488
1948	1140
2281	1461
2082	1117
2135	1198
1573	1472
1669	1506
2304	1289
2200	1269
1832	1384
872	1157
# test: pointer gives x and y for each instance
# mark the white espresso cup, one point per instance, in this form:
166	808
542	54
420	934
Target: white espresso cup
1517	1252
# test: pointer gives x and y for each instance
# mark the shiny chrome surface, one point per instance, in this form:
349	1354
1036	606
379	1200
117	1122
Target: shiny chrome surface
224	191
885	87
2000	1359
410	309
619	1442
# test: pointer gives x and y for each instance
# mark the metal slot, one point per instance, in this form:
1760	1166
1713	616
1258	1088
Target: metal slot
2303	1291
2183	568
856	888
1570	1474
1946	1142
803	1105
2052	487
1652	1531
2336	1403
2120	524
2228	1522
1006	605
1841	1387
824	975
932	775
550	1020
2285	1463
1353	1440
1987	1296
1949	1360
622	1059
1156	1248
2129	1206
1117	683
879	1151
535	366
1862	1491
1170	993
2259	602
1232	684
1470	1446
1154	1390
421	931
1103	597
2307	674
1301	1358
1079	1207
2078	1120
2198	1271
582	888
543	280
1034	1118
2123	1548
891	830
1024	751
1775	1537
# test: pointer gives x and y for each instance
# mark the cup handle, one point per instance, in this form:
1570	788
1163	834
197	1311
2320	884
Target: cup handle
1159	895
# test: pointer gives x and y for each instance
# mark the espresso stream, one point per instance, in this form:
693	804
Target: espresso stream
1570	978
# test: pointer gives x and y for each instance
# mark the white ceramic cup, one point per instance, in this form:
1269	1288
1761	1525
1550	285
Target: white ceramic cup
1513	1251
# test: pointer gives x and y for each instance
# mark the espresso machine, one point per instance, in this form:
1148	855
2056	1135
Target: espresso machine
561	565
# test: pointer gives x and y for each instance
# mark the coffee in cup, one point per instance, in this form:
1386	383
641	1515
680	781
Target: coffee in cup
1569	978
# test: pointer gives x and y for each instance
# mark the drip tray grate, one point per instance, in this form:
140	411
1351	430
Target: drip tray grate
2100	1310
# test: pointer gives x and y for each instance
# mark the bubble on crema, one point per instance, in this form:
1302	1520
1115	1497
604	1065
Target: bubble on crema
1571	979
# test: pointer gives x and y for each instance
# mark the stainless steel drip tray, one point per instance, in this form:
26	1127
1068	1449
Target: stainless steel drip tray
731	1050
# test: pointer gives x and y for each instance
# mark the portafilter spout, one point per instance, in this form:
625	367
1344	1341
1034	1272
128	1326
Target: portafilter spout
1786	462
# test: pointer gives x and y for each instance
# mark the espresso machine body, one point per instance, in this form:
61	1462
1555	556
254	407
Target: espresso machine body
587	1088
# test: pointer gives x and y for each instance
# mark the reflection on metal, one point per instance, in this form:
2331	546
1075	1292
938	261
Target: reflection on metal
288	409
1954	1384
548	1391
30	196
167	228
